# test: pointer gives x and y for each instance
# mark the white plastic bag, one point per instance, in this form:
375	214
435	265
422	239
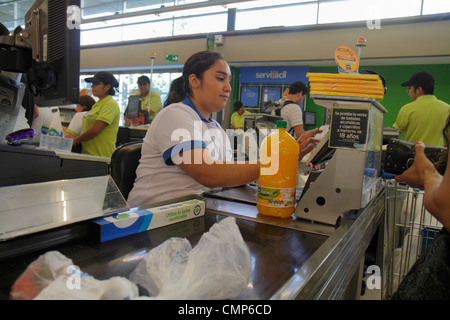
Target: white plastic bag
219	266
38	275
55	128
47	123
171	256
54	277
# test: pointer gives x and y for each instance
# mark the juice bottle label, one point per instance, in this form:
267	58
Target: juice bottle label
276	197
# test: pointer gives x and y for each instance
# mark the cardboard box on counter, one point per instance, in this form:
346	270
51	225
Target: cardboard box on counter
135	221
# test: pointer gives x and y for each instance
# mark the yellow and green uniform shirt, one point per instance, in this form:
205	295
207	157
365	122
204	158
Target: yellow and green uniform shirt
238	120
104	143
155	104
423	120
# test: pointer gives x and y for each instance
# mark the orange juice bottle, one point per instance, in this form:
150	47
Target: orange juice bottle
278	176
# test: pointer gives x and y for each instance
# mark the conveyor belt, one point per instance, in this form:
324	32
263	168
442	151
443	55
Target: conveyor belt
276	253
289	262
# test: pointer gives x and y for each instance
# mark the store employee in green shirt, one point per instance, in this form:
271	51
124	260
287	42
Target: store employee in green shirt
425	117
101	124
145	116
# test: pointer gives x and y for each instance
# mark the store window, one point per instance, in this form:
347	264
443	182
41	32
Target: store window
12	13
190	1
292	15
357	10
7	15
94	8
147	30
193	25
158	19
140	5
104	35
435	6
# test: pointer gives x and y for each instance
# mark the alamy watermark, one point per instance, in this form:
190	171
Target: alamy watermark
373	280
373	11
73	17
74	279
247	144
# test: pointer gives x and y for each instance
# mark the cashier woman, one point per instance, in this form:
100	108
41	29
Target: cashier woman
101	124
185	150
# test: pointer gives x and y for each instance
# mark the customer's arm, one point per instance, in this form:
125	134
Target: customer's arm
299	130
423	175
306	141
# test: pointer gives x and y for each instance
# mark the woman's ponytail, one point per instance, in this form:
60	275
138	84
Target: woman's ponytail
177	92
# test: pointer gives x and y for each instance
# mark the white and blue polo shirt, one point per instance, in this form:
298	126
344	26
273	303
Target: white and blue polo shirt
176	129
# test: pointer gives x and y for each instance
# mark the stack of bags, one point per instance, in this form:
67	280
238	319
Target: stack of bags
354	85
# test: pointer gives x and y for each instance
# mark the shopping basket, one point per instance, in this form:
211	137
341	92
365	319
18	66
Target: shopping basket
409	229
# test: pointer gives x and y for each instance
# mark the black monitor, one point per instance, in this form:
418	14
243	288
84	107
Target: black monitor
310	118
133	107
49	51
54	77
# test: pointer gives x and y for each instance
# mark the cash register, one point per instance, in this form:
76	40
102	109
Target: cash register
348	157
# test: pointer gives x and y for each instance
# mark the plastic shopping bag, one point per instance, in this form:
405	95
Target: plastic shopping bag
219	266
47	123
54	277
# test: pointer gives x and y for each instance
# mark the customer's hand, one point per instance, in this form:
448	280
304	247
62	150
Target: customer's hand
306	142
421	169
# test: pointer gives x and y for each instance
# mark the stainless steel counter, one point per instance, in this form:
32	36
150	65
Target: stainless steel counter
291	259
329	272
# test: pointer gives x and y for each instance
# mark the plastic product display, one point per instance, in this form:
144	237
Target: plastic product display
55	142
278	179
35	207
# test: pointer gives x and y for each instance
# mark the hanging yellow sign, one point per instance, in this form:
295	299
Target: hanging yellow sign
346	59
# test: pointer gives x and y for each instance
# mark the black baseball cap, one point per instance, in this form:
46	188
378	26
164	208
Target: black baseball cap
419	79
143	79
105	77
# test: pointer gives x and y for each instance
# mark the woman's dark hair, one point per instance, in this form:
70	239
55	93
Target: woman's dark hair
111	91
196	64
175	94
87	101
238	105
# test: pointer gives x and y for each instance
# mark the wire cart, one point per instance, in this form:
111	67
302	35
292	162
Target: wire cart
409	229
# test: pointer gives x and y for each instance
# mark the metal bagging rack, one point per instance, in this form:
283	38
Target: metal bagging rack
410	228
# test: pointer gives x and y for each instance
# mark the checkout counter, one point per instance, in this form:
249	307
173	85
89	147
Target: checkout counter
293	258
